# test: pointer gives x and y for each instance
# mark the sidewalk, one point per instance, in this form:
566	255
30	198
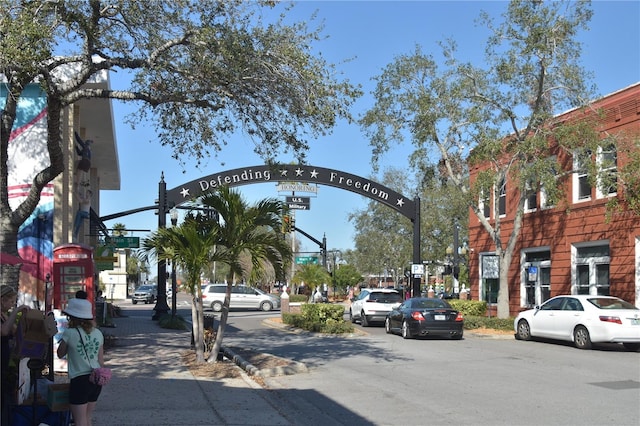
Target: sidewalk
151	386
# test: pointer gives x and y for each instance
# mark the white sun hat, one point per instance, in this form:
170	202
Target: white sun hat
79	308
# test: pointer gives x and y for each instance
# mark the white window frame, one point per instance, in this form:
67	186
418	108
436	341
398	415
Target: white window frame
502	195
614	169
528	193
577	177
592	262
482	204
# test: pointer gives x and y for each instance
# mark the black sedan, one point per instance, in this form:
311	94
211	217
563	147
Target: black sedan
422	316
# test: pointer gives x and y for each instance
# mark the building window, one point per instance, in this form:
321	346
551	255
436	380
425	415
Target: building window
581	185
545	202
536	277
607	161
531	201
502	201
592	269
484	204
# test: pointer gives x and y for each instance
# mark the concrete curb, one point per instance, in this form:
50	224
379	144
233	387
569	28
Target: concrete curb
293	367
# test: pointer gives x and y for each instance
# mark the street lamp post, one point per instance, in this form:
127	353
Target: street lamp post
161	307
173	214
454	253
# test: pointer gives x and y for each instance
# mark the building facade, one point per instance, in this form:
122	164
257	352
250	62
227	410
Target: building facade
577	246
69	205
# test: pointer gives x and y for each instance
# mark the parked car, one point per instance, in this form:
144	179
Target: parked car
583	320
424	316
146	293
373	304
241	297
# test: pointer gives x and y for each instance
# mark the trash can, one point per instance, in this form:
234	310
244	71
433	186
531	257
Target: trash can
209	321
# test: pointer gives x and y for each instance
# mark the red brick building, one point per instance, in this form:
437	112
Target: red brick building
568	248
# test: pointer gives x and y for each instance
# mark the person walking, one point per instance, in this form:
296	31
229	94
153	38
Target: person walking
83	345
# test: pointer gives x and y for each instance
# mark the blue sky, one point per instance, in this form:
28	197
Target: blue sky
371	34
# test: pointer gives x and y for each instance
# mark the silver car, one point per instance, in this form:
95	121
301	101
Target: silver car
241	297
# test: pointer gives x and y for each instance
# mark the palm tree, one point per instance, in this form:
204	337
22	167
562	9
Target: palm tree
192	247
243	232
311	275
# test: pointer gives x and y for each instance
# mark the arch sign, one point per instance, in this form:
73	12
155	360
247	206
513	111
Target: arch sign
284	173
293	173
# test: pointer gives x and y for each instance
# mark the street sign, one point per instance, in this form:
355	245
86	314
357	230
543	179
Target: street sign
299	203
307	260
104	258
303	200
123	242
298	206
417	269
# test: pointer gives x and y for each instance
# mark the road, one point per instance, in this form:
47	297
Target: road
382	379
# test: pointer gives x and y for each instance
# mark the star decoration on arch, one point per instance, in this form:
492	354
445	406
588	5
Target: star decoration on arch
400	202
314	174
184	192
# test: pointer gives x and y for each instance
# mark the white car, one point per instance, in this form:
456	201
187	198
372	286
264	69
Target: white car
373	304
241	297
583	320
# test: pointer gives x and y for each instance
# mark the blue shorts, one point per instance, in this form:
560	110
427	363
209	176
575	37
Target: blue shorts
81	390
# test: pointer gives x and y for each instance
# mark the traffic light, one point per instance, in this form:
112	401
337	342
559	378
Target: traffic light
286	224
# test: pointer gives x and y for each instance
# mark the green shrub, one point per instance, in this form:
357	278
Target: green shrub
471	322
319	317
298	298
469	307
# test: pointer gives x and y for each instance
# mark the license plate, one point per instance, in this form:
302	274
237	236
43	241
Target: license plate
635	321
440	317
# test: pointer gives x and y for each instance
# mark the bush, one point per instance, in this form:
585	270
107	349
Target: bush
471	322
469	307
298	298
319	317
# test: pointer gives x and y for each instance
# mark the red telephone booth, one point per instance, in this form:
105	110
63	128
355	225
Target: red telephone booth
73	270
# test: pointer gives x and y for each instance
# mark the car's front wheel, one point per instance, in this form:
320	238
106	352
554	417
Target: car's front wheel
135	302
406	333
581	337
266	306
351	317
387	325
216	306
524	331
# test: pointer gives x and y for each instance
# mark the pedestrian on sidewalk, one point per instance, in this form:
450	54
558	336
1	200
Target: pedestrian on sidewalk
83	345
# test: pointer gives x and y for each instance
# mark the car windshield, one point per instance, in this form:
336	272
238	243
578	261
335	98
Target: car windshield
144	287
608	303
429	304
384	297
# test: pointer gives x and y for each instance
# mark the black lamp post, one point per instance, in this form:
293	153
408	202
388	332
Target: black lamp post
173	214
454	253
161	307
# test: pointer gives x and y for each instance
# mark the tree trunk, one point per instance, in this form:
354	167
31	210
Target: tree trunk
213	356
503	292
197	327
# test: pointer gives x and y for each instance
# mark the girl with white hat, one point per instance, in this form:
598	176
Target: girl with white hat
82	343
